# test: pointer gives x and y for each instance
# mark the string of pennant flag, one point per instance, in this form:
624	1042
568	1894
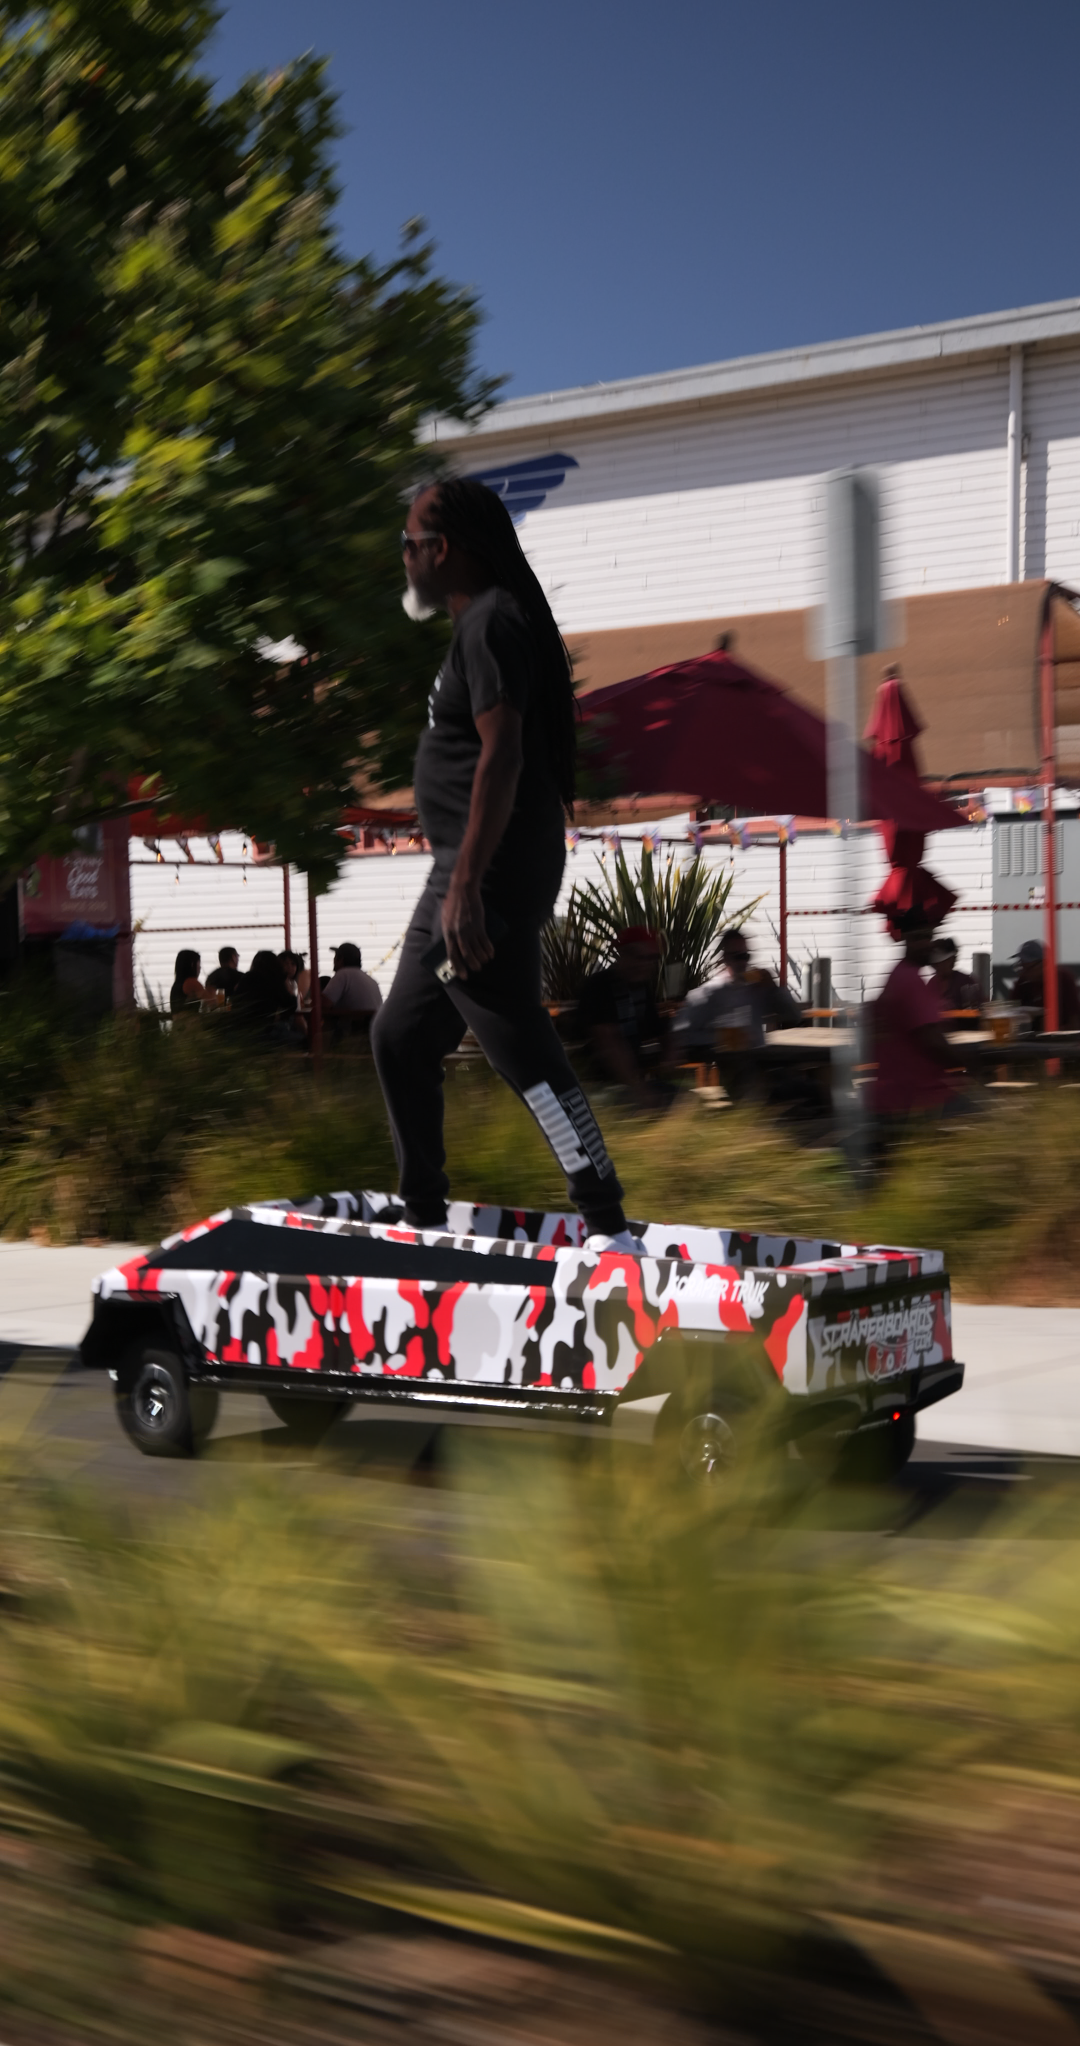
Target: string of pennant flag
742	831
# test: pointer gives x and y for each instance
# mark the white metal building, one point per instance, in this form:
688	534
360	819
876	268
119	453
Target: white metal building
663	511
696	495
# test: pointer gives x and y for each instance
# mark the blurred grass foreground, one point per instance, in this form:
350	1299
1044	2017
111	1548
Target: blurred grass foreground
311	1758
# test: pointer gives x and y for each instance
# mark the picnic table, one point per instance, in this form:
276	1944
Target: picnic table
978	1050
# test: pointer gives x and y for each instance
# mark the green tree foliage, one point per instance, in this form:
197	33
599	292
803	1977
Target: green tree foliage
208	417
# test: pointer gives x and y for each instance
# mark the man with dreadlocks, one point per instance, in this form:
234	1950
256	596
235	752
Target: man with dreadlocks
494	775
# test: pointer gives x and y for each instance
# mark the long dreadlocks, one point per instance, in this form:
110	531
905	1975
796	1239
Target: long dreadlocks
477	521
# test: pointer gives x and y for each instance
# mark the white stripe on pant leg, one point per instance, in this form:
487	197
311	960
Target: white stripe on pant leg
570	1128
557	1127
588	1130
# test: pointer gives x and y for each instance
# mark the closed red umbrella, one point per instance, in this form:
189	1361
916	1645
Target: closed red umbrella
712	729
893	727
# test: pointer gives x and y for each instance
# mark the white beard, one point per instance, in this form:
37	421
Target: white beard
414	606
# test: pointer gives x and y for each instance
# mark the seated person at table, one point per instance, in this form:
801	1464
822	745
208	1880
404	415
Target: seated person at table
957	990
263	1001
297	975
912	1050
624	1029
733	1011
226	973
350	991
1029	992
187	990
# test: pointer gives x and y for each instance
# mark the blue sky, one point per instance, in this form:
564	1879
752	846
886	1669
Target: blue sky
639	186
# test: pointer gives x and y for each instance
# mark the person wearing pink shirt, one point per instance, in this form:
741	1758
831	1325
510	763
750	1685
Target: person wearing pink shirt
912	1050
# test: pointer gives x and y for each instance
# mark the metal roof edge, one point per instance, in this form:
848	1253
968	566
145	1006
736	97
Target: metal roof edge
824	361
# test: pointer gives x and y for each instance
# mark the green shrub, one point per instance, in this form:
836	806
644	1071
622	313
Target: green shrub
570	951
105	1149
1000	1191
680	898
38	1030
138	1131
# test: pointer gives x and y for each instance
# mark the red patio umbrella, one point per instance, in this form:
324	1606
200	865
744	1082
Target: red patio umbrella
715	730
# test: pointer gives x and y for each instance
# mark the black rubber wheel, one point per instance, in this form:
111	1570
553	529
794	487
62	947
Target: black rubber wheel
307	1420
158	1409
873	1456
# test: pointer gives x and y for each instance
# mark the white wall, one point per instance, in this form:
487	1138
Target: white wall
828	878
206	906
720	511
174	906
1052	468
209	906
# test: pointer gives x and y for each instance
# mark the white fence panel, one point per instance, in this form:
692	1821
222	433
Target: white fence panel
176	907
830	881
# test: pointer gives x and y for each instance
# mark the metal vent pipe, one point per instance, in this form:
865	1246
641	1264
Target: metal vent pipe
1015	459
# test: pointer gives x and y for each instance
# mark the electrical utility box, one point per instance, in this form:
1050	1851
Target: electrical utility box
1020	891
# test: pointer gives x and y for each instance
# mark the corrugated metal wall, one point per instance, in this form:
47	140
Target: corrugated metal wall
827	877
1052	469
1020	878
720	512
205	906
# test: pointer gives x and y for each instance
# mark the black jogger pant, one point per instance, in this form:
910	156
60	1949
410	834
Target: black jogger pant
422	1020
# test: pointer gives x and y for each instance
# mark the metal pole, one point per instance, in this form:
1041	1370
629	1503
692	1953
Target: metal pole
288	906
315	1023
1015	454
854	624
1046	691
783	912
842	683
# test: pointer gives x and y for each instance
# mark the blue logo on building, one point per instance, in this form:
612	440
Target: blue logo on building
523	486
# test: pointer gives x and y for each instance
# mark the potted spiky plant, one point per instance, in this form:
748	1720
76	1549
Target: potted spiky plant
680	897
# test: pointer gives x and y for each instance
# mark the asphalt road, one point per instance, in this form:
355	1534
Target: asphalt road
65	1417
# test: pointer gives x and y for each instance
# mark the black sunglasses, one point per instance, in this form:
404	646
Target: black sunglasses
410	542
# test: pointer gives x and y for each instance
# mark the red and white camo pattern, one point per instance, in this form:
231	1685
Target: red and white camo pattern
586	1328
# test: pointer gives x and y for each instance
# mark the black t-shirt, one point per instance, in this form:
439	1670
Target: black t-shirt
227	978
262	997
492	659
607	998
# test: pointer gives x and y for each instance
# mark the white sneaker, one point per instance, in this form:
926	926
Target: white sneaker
623	1241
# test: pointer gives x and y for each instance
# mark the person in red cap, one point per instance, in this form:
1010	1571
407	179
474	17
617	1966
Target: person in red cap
624	1028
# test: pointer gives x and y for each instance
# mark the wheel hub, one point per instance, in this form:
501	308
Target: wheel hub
708	1448
154	1403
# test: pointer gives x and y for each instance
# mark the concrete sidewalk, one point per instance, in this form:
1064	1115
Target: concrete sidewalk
1021	1382
45	1293
1022	1387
